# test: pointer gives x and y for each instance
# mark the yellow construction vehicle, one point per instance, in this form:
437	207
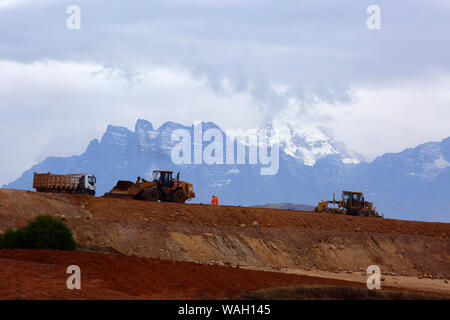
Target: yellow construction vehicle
163	187
352	203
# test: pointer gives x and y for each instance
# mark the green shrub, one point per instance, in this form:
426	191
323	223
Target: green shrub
45	232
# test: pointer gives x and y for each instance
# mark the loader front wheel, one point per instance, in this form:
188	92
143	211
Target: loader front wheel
150	195
179	196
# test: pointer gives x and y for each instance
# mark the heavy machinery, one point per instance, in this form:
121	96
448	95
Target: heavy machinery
163	187
64	183
352	203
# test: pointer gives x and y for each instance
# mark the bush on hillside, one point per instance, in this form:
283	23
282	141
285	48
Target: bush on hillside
45	232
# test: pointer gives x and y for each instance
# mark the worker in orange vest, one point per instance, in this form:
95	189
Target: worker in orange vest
215	200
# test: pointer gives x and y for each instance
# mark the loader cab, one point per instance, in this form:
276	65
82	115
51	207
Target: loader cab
352	199
346	196
163	178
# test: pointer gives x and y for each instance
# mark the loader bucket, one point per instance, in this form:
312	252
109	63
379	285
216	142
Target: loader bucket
122	185
121	190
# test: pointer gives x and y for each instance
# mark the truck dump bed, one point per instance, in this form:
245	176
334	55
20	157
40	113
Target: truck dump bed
48	181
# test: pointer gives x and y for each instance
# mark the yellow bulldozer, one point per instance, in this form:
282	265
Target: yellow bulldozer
163	188
352	203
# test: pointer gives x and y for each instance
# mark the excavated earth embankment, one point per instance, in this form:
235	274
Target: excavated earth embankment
41	274
249	237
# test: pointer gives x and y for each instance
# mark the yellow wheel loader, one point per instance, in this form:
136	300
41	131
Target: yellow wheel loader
163	188
352	203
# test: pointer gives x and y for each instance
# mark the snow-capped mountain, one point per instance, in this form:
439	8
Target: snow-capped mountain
412	184
310	143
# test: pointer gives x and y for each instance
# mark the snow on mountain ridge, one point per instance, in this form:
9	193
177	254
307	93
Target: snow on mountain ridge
307	143
310	143
432	160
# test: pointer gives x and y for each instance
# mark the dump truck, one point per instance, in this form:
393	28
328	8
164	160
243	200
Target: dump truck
163	187
82	183
352	203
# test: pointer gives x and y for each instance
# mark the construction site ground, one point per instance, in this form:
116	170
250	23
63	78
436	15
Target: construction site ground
202	251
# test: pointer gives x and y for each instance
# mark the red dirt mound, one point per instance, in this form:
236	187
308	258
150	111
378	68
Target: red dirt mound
41	274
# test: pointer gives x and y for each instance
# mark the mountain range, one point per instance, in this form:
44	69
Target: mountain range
413	184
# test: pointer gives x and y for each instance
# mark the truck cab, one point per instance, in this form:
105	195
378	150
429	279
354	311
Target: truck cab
87	183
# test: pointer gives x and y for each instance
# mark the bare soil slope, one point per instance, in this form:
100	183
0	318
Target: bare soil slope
251	237
41	274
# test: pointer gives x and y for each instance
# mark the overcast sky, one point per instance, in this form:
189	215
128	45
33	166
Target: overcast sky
237	63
